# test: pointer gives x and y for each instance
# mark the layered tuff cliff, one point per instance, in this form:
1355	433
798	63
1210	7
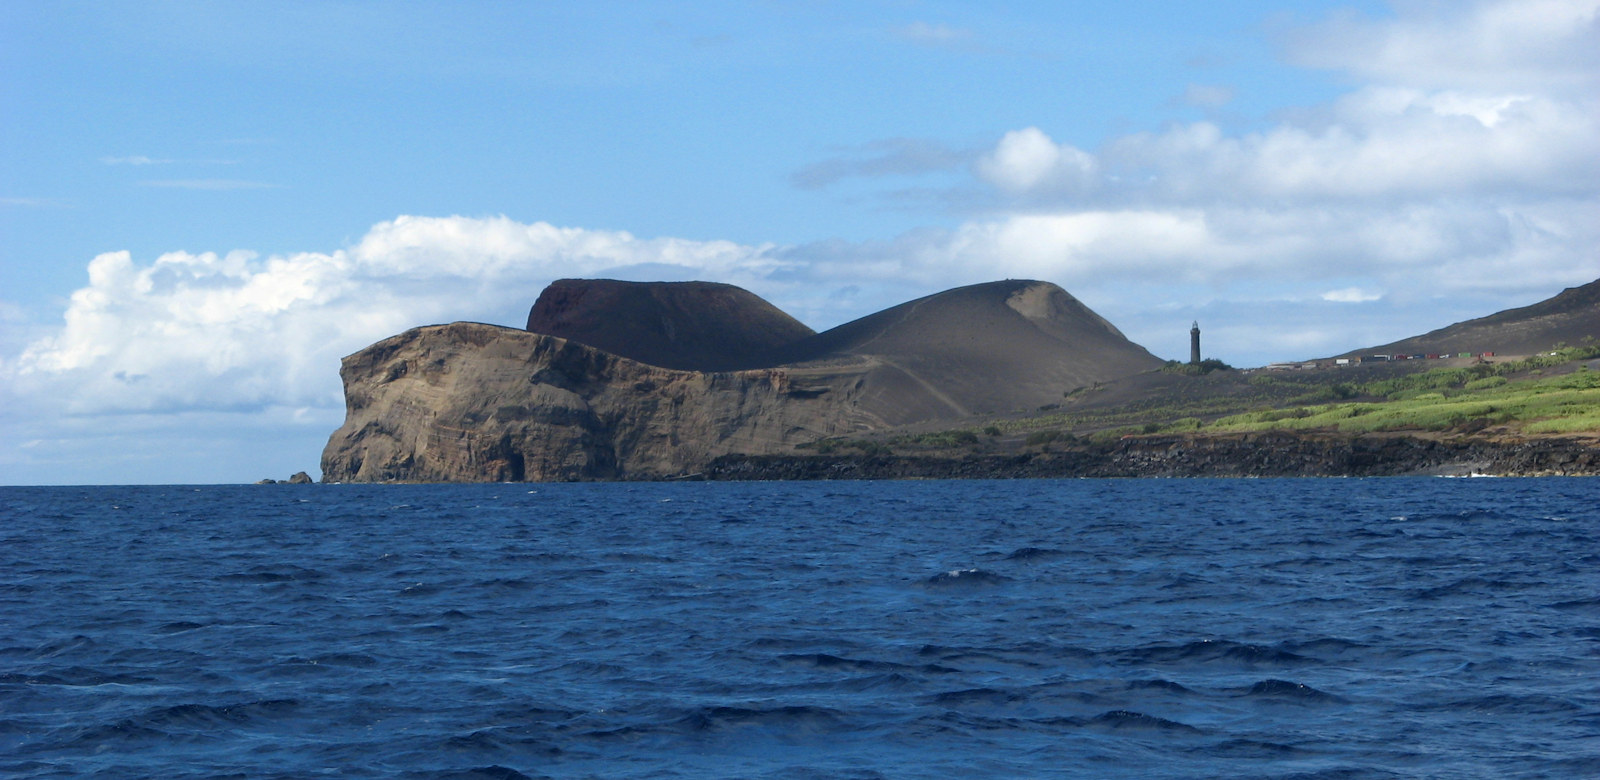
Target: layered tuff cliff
468	402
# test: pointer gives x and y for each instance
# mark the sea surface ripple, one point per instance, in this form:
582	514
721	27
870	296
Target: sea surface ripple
1386	628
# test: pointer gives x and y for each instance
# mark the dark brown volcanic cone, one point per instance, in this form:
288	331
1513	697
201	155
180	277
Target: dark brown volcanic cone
986	348
1568	317
693	326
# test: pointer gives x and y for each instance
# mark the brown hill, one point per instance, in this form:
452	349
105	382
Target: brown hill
981	349
1569	317
692	326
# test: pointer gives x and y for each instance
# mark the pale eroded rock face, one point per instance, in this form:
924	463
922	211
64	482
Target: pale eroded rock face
468	402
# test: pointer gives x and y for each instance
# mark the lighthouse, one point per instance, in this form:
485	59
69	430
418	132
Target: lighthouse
1194	344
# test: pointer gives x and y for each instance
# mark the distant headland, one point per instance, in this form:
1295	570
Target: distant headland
617	380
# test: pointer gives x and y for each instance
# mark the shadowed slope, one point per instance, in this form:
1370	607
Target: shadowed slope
985	348
1568	317
692	326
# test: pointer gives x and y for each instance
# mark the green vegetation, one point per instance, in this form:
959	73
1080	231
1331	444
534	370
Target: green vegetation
1486	383
1463	398
1565	403
940	439
1165	411
1080	391
1196	369
1045	438
839	446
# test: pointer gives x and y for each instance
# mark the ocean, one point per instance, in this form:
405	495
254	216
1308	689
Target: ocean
1335	628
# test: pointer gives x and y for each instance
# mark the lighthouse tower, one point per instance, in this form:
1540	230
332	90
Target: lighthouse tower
1194	344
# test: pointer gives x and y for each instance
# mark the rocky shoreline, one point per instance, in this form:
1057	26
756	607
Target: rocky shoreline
1272	454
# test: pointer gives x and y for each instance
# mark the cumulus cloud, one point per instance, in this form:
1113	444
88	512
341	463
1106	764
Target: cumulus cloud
1291	252
1027	161
1485	45
1377	142
1428	177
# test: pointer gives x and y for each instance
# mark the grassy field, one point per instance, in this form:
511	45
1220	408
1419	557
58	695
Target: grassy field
1559	404
1550	393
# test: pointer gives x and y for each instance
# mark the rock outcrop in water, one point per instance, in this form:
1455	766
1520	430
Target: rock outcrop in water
655	380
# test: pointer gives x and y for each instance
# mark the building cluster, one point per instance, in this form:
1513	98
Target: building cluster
1359	359
1194	357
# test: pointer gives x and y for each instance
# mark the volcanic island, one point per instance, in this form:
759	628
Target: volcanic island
615	380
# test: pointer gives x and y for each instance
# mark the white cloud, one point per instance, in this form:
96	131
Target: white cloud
1387	142
1493	45
1208	95
1427	180
887	157
34	202
935	34
137	159
1028	161
1427	125
1351	295
1291	251
215	185
1463	170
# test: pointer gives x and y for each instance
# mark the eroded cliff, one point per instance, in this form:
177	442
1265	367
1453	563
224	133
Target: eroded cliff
468	402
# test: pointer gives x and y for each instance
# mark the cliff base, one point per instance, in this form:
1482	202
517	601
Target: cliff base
1274	454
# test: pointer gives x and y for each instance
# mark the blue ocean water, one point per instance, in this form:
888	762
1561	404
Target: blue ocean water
1088	628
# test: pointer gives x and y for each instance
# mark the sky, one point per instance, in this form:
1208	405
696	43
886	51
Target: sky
204	206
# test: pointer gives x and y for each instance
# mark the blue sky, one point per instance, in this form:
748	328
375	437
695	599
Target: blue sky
204	205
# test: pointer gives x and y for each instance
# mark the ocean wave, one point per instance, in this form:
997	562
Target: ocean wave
1284	690
1210	651
1126	719
966	578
